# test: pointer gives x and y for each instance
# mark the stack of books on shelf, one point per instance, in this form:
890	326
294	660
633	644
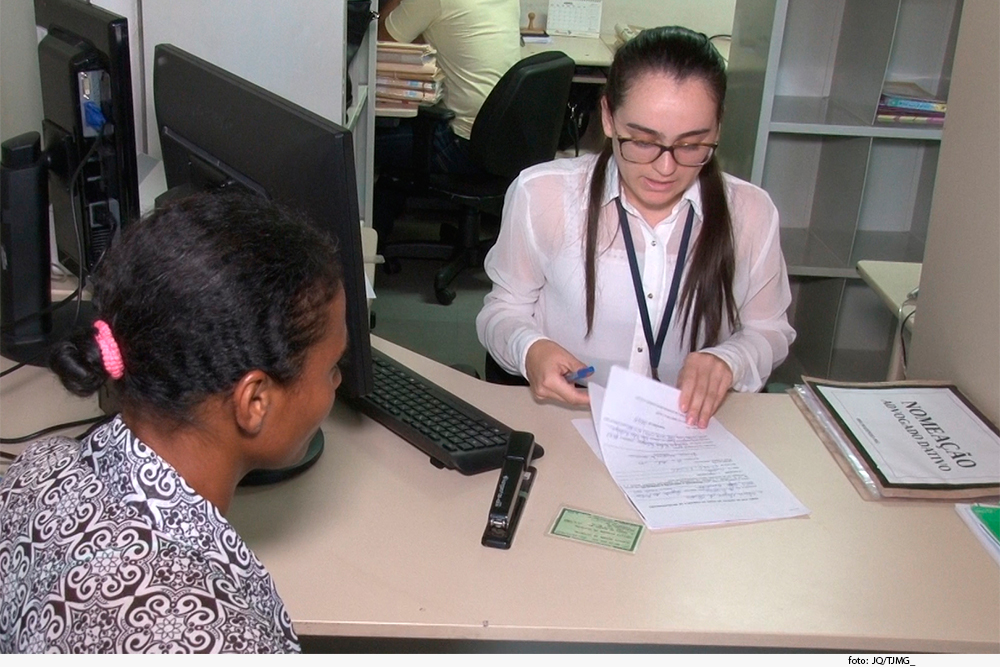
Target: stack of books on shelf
906	102
406	76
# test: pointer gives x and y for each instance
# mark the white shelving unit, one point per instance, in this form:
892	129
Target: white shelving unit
805	80
359	117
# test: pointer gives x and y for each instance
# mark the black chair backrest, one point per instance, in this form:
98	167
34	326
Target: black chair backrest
520	121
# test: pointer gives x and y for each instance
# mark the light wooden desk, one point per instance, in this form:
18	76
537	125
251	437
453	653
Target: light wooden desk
893	282
584	51
375	542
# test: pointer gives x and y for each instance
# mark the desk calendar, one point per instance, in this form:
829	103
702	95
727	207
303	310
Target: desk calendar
578	18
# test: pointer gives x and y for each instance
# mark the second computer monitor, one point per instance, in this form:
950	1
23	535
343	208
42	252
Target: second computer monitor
218	130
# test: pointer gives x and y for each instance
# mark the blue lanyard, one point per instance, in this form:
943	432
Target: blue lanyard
655	347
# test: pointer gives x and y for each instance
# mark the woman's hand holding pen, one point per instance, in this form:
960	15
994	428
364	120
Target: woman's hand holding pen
546	364
703	381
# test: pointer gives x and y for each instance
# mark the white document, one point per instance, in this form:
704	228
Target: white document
677	475
918	435
587	428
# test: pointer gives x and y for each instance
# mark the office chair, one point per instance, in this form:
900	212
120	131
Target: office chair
518	126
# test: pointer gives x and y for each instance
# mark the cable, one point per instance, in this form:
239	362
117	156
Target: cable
76	226
78	293
50	429
21	365
48	309
96	120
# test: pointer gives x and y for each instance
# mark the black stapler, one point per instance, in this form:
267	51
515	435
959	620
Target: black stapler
516	476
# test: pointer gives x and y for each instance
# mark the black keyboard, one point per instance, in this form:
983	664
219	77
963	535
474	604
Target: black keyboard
451	432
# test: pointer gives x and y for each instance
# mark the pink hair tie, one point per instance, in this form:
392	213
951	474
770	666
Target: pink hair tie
110	354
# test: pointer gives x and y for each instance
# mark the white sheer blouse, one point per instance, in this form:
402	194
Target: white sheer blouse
537	269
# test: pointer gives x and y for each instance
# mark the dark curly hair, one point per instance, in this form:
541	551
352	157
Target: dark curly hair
200	292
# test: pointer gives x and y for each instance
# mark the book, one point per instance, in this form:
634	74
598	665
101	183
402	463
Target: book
535	38
909	95
905	439
405	57
415	47
382	67
984	522
386	82
884	108
384	102
917	119
392	109
435	77
425	97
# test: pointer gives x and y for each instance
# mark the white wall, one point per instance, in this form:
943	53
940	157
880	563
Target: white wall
712	17
20	90
240	36
130	9
956	335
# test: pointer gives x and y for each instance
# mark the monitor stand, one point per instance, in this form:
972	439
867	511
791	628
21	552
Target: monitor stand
35	351
260	477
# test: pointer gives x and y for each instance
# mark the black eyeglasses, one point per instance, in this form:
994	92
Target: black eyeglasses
684	154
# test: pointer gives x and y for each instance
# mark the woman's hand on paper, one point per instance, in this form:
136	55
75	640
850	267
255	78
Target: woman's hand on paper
545	365
703	381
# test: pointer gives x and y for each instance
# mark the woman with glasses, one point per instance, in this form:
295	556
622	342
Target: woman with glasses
646	255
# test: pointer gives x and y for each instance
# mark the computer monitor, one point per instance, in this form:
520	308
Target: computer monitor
218	130
84	165
88	118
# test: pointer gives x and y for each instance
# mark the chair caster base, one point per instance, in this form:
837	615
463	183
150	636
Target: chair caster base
444	296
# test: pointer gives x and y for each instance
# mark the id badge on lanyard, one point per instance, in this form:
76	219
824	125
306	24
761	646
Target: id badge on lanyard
654	345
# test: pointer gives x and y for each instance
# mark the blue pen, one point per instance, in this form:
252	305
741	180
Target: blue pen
581	374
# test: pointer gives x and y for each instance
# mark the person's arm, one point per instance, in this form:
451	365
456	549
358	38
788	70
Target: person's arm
506	324
385	7
406	20
762	342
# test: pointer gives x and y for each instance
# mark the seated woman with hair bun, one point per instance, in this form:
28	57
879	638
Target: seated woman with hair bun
221	323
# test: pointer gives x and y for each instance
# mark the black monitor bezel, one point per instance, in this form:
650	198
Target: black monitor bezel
233	124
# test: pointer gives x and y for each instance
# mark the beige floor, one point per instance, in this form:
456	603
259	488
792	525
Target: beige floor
407	313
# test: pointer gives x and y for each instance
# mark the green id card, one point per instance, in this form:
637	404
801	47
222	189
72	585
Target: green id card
596	529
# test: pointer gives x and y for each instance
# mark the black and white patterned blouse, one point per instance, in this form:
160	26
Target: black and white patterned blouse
105	548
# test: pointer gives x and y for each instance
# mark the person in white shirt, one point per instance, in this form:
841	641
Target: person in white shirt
586	270
476	41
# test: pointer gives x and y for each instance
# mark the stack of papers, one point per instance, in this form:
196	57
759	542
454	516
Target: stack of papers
677	475
406	76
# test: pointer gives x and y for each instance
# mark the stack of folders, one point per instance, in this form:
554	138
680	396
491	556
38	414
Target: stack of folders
406	76
907	102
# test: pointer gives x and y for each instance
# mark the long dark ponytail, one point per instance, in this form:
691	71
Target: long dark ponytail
706	299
